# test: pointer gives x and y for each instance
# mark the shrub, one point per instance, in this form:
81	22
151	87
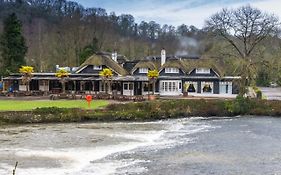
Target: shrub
259	94
240	106
50	110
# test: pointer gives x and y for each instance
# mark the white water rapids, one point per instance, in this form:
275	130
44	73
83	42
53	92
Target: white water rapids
77	148
243	145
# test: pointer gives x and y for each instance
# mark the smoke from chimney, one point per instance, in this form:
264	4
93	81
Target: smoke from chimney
187	46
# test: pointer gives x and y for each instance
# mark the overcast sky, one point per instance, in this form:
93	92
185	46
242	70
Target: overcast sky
177	12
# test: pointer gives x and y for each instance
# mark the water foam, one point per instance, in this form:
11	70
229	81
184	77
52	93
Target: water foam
85	160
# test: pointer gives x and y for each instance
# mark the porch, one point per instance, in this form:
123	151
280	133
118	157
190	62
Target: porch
44	86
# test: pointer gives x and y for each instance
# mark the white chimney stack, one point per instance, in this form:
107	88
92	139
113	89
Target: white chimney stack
163	57
114	56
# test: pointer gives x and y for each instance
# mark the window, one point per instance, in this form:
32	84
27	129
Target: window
203	71
131	86
126	87
143	70
174	87
207	87
226	88
166	86
171	70
97	67
170	86
147	87
191	88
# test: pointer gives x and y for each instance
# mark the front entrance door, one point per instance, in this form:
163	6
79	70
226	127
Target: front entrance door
128	88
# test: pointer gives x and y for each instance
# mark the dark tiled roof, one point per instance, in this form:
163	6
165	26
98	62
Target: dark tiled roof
129	65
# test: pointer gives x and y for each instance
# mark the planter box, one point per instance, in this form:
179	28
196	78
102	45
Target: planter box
152	97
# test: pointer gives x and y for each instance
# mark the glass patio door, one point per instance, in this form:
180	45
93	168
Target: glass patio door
128	88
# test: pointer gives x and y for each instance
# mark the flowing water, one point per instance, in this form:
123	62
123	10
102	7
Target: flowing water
242	145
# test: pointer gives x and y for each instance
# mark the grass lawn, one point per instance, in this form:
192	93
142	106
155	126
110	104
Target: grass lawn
21	105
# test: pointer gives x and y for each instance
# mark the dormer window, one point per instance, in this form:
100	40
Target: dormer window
171	70
97	67
143	70
203	71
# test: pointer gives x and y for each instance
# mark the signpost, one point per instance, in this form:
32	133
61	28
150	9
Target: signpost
89	98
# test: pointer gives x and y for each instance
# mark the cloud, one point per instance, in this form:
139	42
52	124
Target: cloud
177	12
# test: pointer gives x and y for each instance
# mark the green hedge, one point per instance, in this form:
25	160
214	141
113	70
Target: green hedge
151	110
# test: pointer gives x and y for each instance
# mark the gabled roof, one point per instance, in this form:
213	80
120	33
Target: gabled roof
174	63
191	64
150	64
99	60
120	58
187	65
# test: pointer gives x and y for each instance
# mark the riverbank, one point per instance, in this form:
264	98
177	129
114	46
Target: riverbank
146	111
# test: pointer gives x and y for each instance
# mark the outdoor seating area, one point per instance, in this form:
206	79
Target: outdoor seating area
56	94
23	93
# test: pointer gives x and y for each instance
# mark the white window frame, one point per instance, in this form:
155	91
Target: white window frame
128	88
143	70
222	87
97	67
195	85
203	70
173	87
171	70
203	83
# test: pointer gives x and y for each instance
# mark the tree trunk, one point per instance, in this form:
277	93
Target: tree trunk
153	87
63	87
74	83
93	86
148	88
242	86
108	86
104	86
27	86
246	76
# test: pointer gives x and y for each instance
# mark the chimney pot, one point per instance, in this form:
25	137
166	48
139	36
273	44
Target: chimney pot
163	57
114	56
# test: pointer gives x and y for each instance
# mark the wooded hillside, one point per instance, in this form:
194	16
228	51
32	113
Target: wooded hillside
63	32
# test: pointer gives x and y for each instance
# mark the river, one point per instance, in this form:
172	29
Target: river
241	145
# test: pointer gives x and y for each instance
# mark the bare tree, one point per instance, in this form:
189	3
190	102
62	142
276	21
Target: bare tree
244	29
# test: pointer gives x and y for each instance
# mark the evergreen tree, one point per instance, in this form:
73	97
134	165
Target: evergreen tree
12	45
89	50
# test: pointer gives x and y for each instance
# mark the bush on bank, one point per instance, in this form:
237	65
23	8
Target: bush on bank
162	109
152	110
